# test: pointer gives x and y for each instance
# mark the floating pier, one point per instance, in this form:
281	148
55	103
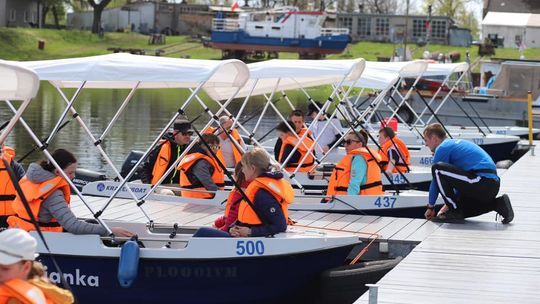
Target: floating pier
481	261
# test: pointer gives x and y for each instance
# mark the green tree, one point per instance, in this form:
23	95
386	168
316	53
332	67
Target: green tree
57	7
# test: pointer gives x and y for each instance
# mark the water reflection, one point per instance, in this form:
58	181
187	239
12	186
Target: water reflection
136	128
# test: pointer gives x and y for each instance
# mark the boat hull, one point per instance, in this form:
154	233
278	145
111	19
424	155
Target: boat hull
246	280
239	40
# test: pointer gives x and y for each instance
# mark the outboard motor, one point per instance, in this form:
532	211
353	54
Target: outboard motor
85	176
128	164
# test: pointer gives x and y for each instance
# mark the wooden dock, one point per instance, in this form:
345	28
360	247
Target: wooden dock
480	261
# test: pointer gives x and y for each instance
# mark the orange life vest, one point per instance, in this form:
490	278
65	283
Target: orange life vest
236	152
403	151
341	176
185	165
280	189
231	201
309	163
162	161
7	190
36	194
22	291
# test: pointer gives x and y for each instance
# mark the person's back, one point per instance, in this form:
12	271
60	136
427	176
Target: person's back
465	155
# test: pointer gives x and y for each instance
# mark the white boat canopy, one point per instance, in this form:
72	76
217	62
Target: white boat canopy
281	75
117	71
16	83
445	69
404	69
373	79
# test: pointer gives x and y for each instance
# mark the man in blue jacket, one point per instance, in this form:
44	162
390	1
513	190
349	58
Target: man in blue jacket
465	176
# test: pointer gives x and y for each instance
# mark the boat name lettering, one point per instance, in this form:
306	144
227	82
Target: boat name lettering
478	141
249	248
76	279
124	189
195	272
385	202
501	132
426	160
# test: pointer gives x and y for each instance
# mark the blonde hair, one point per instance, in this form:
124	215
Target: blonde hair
37	270
259	159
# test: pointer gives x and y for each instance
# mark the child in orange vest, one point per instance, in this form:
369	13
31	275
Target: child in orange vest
224	222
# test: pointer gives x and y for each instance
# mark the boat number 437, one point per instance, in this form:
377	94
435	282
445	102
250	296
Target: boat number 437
385	202
249	248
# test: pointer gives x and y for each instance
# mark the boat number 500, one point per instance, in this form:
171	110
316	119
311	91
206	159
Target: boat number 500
249	248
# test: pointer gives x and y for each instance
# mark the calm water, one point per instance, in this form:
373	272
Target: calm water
141	122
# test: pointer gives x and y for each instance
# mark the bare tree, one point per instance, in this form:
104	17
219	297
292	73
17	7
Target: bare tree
380	6
98	6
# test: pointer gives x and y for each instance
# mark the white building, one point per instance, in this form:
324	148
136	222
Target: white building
513	28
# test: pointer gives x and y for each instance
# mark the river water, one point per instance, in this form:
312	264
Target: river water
137	127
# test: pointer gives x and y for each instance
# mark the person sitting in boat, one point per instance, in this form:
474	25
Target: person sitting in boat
395	156
288	143
268	193
489	79
226	221
328	136
166	153
358	173
200	171
22	280
7	190
48	196
229	152
297	119
466	178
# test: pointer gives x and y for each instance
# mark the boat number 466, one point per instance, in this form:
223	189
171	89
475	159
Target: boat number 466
249	248
385	202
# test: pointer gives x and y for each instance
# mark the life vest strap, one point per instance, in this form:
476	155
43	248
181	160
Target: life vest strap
304	165
341	188
370	185
7	197
47	225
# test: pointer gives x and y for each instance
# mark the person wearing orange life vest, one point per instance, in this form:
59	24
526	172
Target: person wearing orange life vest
21	278
200	171
166	153
48	195
297	120
394	152
7	190
226	221
229	151
288	142
270	195
358	173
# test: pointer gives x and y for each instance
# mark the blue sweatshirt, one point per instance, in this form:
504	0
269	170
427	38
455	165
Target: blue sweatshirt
270	209
463	154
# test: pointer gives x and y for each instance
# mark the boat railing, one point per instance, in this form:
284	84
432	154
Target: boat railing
333	31
220	24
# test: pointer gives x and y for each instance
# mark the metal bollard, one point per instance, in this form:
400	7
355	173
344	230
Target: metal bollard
373	293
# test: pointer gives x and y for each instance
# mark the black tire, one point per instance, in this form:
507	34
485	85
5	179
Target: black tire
345	284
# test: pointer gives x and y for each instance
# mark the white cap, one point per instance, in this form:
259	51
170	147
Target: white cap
16	245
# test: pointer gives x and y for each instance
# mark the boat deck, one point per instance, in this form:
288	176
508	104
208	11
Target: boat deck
387	228
480	261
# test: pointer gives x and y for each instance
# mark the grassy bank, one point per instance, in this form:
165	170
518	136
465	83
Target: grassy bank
21	44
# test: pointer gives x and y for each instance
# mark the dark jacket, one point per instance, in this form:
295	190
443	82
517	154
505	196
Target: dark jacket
269	208
201	172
